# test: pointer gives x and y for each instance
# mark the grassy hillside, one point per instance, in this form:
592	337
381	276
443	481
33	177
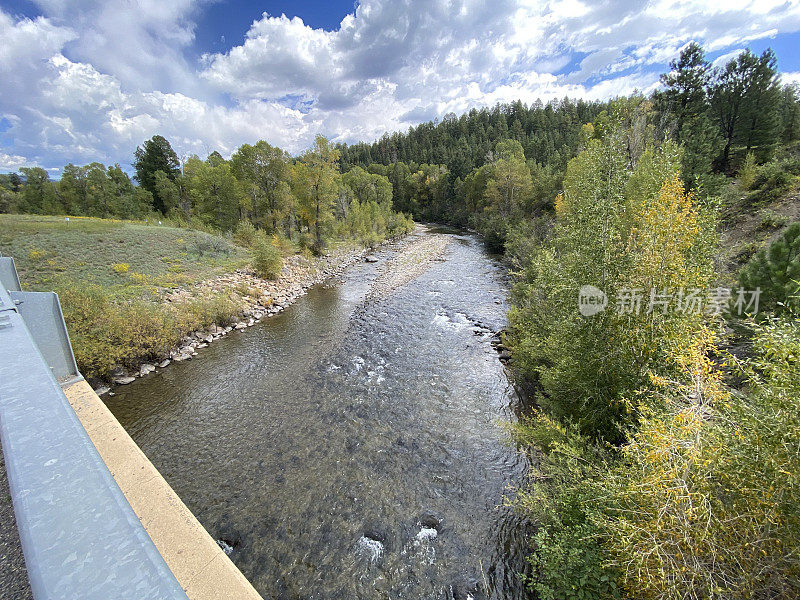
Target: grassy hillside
127	259
111	275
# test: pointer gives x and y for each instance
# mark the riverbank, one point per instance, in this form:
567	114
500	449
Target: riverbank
258	298
254	299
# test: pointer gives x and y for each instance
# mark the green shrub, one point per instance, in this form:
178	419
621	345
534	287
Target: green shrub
772	180
772	220
105	333
267	259
245	234
562	499
211	245
747	174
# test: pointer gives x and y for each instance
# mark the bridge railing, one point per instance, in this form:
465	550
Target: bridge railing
80	536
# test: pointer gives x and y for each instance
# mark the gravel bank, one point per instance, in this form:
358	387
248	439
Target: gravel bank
416	255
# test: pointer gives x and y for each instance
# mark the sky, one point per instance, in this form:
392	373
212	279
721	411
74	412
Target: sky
89	80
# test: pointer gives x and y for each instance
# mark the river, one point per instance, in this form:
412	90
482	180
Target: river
350	449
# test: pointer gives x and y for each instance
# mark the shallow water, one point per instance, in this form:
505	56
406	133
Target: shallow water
345	449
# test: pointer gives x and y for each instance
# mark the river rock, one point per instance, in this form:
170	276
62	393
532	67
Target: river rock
124	380
505	355
102	390
183	356
430	521
241	325
118	372
146	369
203	345
208	339
164	363
464	589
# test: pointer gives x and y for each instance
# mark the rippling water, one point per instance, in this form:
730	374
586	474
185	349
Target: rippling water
351	450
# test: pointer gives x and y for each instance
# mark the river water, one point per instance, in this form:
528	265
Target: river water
351	449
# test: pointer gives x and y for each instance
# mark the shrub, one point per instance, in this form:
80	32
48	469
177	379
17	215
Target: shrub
139	278
772	180
245	234
747	174
211	245
776	271
561	498
120	268
705	502
772	220
267	259
105	333
36	254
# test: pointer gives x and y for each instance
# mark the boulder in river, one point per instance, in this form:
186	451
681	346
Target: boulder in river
146	369
371	259
124	380
164	363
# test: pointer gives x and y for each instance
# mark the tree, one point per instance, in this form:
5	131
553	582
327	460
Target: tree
685	98
100	192
744	99
72	189
39	195
776	272
316	187
619	227
156	154
215	194
509	186
790	113
264	172
761	116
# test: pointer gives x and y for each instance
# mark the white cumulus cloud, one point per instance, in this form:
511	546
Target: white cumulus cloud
91	79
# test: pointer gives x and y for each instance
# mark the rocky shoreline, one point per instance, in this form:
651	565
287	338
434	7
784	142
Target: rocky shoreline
261	298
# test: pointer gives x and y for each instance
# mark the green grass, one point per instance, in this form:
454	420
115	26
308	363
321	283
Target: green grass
47	249
110	276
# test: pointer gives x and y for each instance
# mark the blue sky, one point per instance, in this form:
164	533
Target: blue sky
89	80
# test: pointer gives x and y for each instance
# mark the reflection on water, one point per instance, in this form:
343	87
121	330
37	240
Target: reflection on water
344	450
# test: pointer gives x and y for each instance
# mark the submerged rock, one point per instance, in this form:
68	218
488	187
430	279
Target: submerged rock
371	259
430	521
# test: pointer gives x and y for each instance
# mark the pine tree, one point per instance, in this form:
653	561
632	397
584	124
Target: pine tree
776	272
156	154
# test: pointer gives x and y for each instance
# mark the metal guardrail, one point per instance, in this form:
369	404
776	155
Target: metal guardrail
80	537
